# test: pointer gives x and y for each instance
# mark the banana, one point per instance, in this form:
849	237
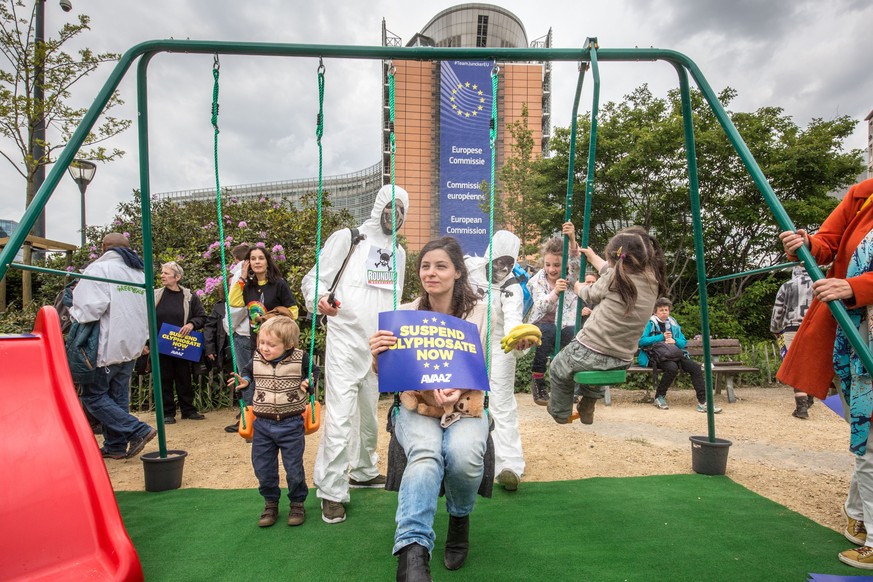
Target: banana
524	331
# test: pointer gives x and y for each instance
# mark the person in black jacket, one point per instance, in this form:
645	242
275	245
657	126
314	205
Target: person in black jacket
176	305
216	345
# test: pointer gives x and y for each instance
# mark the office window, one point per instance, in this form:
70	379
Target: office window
482	32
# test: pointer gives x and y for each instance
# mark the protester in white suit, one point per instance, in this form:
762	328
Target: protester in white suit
507	303
347	452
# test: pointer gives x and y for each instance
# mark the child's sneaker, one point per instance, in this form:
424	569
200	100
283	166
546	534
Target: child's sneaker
297	513
701	407
661	402
269	515
859	557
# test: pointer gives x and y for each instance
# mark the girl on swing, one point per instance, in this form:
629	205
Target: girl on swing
453	455
631	280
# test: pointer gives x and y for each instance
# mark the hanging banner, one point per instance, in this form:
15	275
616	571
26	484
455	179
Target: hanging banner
433	351
465	152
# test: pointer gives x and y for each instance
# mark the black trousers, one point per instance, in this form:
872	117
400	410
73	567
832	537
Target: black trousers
176	373
669	371
544	351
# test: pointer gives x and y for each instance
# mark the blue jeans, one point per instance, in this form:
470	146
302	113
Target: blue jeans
108	400
269	439
242	349
454	456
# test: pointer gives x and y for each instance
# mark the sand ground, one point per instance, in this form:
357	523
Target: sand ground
802	464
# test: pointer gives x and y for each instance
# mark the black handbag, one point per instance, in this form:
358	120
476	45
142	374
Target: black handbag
664	352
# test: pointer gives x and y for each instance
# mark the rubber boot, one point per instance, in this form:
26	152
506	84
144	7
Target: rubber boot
800	410
457	542
413	564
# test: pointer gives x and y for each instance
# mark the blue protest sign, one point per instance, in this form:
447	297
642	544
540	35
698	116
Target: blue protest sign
433	351
172	343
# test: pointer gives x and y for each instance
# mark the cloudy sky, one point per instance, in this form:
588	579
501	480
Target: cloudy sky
809	57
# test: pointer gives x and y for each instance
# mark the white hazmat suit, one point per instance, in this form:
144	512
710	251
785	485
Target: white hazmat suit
350	426
507	303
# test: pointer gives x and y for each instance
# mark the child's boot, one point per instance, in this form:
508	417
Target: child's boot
297	514
800	408
539	391
585	408
270	514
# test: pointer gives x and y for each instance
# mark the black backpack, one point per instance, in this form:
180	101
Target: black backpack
63	303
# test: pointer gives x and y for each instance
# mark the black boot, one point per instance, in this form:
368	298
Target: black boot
457	542
801	406
413	564
539	391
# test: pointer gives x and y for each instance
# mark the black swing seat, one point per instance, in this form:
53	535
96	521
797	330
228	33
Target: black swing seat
397	461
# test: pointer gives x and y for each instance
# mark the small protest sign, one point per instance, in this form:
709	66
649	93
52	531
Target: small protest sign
172	343
433	351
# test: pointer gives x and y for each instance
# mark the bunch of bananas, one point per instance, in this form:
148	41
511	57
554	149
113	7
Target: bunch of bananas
524	331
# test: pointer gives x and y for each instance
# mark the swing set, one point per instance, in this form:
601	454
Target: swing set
96	538
588	57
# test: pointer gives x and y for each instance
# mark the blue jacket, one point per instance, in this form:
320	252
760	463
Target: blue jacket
653	334
81	344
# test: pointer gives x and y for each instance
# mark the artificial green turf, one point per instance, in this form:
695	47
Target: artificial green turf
678	527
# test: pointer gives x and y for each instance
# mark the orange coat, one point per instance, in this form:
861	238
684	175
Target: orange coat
808	365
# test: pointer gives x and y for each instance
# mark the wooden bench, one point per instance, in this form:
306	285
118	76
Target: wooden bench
719	348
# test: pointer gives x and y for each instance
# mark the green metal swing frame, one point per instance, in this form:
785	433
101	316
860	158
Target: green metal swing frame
589	55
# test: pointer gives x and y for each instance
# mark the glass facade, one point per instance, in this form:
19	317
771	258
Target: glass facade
479	25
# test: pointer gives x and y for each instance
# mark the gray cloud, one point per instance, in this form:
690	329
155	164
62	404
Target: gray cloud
803	56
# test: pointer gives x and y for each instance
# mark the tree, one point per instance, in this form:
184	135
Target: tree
522	207
20	109
641	178
36	80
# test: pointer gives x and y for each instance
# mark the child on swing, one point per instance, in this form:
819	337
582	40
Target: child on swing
279	369
631	280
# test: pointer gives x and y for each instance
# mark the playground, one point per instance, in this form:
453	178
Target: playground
803	465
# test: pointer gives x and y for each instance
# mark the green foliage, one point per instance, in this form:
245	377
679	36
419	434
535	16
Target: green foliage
188	234
19	106
641	178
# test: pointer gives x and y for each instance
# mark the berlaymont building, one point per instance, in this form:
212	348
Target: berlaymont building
442	123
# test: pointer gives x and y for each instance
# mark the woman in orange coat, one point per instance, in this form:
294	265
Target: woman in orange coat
808	365
846	238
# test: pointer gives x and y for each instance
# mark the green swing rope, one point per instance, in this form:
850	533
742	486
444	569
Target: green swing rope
495	70
216	66
392	146
319	132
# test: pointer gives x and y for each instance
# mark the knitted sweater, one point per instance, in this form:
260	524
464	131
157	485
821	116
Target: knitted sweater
278	393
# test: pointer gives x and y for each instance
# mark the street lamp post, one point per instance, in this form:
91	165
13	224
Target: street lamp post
38	97
82	172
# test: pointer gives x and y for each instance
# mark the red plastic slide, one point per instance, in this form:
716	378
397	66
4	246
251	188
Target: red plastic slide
58	515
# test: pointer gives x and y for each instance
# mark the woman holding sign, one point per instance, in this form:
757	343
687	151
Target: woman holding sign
446	449
177	306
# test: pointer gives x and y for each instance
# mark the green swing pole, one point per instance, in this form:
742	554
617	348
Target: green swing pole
149	48
568	201
147	251
694	190
589	179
